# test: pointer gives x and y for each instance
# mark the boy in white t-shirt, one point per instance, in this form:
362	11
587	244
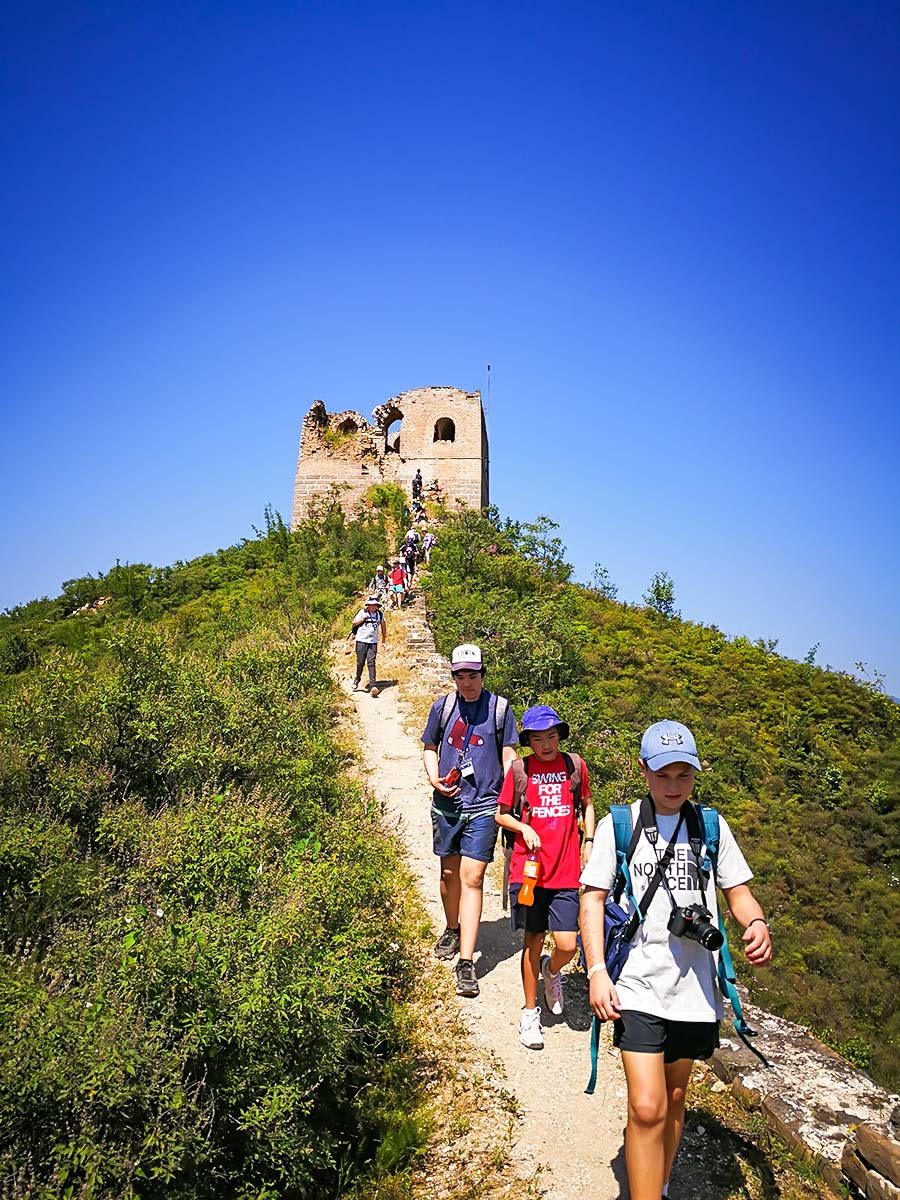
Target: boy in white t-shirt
666	1004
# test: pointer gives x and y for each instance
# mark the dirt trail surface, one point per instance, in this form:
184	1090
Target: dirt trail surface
556	1115
566	1145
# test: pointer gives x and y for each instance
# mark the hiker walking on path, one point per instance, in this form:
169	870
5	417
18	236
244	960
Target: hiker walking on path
417	485
469	740
427	542
540	802
367	623
380	585
408	561
666	1003
398	583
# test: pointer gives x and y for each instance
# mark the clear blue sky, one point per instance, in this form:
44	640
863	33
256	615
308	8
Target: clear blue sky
673	230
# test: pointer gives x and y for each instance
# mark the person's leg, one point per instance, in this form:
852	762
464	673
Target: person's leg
678	1076
370	663
450	887
531	966
470	898
645	1151
565	946
361	649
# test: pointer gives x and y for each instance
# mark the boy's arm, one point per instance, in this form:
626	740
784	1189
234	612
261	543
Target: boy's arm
588	816
507	758
383	631
745	908
433	771
506	820
603	996
587	812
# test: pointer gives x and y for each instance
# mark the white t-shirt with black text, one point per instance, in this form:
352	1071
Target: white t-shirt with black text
667	976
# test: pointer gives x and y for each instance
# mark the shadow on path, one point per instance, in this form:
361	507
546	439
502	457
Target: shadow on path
707	1165
497	943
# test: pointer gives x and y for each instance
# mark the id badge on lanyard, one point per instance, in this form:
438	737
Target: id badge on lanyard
466	767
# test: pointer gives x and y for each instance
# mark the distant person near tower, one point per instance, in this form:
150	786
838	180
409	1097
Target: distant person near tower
367	623
427	543
380	585
398	578
417	485
469	745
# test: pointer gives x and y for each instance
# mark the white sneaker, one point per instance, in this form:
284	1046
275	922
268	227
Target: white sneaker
530	1032
553	988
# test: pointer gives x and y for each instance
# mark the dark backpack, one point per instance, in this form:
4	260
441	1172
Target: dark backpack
501	707
520	774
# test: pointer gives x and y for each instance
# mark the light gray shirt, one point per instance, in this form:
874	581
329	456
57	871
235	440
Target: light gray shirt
664	975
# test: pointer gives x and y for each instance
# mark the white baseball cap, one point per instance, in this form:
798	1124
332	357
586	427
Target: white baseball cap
466	658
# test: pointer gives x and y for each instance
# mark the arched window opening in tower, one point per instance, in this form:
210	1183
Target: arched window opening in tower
348	426
444	430
392	436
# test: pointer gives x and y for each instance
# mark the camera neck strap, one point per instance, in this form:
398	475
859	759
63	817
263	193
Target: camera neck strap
687	816
647	823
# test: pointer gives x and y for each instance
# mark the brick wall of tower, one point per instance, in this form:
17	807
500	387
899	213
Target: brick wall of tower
352	452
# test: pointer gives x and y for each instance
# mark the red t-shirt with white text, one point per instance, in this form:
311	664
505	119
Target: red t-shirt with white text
549	807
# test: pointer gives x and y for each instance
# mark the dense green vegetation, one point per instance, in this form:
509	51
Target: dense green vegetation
200	981
804	763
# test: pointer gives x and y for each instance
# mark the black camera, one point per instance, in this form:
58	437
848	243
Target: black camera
695	922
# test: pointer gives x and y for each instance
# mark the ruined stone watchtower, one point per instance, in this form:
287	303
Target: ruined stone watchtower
442	434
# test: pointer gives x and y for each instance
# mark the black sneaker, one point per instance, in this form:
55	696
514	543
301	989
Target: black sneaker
447	945
466	983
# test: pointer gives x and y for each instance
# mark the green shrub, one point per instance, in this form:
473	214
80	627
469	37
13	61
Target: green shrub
804	763
200	981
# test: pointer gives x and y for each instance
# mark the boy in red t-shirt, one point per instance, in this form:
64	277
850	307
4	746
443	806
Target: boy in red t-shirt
548	828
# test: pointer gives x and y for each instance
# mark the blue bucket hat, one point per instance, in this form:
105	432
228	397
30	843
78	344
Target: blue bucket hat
669	742
539	718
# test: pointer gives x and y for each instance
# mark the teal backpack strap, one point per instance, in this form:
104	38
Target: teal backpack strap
621	815
595	1047
726	975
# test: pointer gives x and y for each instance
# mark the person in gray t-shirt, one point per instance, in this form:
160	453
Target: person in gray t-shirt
366	625
469	745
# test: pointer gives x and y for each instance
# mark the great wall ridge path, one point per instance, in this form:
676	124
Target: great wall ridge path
812	1097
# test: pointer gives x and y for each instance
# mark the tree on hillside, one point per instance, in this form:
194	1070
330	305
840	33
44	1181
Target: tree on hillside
661	595
602	584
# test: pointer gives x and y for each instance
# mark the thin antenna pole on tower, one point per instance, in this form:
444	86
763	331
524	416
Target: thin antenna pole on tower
487	411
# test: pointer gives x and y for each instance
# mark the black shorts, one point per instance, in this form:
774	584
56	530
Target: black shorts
555	909
642	1033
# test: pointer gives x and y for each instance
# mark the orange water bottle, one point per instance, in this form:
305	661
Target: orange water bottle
531	869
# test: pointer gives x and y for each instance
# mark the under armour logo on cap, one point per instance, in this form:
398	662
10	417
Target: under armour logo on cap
669	742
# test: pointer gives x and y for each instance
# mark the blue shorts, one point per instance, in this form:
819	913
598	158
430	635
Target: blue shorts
555	909
470	835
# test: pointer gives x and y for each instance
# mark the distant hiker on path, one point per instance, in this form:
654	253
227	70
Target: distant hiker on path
427	543
408	560
469	740
667	1003
380	585
367	623
417	485
541	800
398	580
